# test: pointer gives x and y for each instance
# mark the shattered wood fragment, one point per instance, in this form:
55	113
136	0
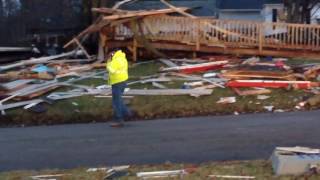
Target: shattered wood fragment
273	84
312	72
251	92
19	104
314	101
14	85
168	92
227	100
248	74
35	61
189	60
198	67
157	174
231	177
15	49
158	85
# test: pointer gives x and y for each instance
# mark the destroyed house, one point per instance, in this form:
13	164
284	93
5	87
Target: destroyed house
177	28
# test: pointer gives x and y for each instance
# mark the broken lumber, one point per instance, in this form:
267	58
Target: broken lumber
248	74
15	49
231	177
251	92
157	174
189	60
13	85
158	85
197	67
168	92
313	101
35	61
19	104
272	84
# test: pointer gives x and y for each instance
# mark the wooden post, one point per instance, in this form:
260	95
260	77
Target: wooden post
261	37
198	35
197	32
102	46
134	48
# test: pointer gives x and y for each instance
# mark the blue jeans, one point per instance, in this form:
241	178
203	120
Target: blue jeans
120	110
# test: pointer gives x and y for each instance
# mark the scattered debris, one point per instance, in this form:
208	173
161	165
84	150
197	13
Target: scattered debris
227	100
203	67
161	174
251	92
273	84
231	177
268	108
47	177
262	97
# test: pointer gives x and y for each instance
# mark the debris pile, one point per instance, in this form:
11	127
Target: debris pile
31	82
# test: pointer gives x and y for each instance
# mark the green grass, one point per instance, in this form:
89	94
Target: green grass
260	169
90	109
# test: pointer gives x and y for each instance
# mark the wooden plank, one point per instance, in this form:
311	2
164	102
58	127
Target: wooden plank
15	49
251	92
168	92
40	60
19	104
261	37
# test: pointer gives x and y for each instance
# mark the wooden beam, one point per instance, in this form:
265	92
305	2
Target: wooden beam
82	48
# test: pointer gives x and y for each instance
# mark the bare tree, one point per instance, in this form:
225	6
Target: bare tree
299	11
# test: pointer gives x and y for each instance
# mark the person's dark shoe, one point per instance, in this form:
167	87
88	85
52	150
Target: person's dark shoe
116	125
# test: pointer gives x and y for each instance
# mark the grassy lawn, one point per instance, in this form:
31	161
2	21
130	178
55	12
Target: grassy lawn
260	169
87	109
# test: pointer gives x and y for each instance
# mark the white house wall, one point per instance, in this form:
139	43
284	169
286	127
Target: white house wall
236	15
315	12
267	14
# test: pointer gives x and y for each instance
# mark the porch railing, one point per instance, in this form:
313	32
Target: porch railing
227	33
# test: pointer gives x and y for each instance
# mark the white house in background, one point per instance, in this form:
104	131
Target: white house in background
256	10
315	14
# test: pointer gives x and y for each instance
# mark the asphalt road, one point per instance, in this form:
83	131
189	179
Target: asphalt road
192	140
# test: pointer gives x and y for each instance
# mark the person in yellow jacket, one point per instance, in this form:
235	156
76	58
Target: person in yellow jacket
117	67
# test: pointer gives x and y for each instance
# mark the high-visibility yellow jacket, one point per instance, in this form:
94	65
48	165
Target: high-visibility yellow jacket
118	68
